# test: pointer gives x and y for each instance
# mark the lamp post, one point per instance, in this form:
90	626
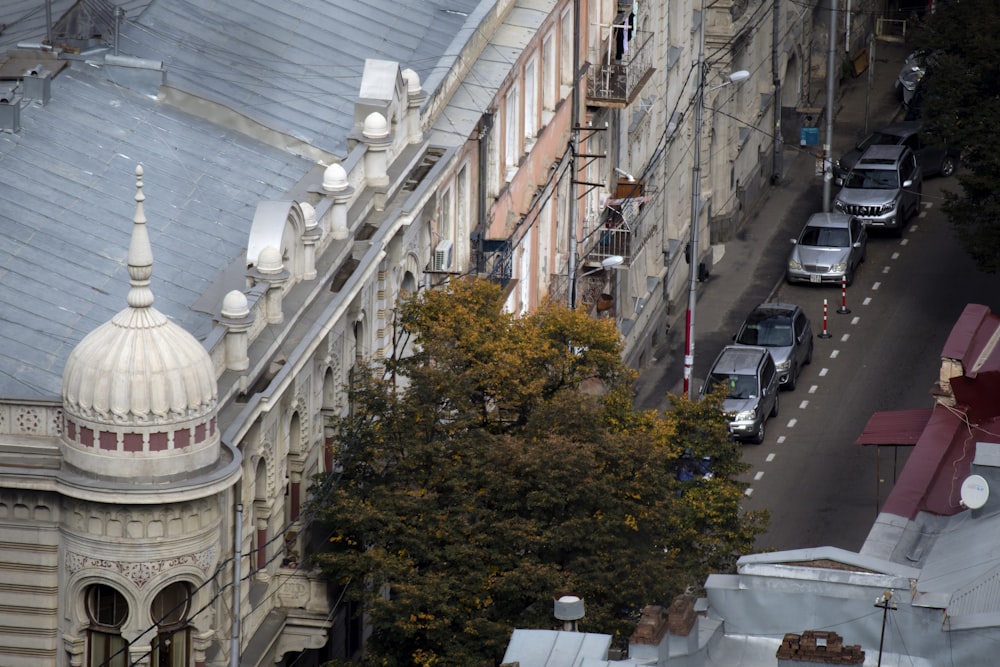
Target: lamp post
699	108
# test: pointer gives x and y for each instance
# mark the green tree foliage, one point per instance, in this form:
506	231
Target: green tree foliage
960	110
503	466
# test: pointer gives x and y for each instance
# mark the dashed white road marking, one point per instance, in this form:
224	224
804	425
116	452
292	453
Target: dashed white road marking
834	354
812	389
803	404
904	241
792	422
855	319
781	439
823	372
885	269
843	338
895	255
760	473
748	492
876	286
866	301
770	457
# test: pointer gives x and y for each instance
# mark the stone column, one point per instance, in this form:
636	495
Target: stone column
310	238
339	191
271	270
237	319
415	97
378	138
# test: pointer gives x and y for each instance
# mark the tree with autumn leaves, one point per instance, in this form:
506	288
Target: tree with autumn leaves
502	466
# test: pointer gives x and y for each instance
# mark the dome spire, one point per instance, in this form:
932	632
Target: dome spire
140	253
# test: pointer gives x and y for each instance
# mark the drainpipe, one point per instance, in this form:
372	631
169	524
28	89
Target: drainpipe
234	651
486	126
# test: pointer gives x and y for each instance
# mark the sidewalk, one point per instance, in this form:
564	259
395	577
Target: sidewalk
749	268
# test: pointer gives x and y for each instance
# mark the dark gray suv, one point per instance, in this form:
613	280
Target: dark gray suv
884	188
750	379
786	332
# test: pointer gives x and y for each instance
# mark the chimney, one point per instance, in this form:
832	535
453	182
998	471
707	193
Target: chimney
569	610
37	84
10	109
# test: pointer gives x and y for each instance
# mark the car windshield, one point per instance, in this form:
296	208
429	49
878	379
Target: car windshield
737	386
774	332
825	237
873	179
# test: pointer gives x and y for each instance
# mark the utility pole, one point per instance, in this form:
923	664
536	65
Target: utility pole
779	148
699	107
574	141
827	144
886	604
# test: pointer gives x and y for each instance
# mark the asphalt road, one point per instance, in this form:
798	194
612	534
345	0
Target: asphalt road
820	487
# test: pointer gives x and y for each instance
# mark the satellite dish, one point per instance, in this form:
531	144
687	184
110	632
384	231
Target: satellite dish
975	492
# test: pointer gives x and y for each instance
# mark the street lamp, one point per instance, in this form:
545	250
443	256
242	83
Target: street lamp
606	263
699	108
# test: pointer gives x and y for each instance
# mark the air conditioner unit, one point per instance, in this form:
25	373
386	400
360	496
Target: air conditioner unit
443	256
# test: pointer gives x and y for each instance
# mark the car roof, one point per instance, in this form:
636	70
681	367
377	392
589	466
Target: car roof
901	129
833	219
881	155
739	359
771	309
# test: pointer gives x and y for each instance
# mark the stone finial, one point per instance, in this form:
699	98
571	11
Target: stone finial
335	178
376	126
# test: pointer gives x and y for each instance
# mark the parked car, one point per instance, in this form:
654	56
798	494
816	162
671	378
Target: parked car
750	379
912	73
829	249
883	189
786	332
933	159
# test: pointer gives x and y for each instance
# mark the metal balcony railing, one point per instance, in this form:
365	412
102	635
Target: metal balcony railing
615	83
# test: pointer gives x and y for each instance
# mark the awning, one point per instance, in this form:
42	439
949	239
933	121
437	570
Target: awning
895	427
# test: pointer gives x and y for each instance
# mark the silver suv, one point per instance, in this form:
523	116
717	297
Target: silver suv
883	189
750	378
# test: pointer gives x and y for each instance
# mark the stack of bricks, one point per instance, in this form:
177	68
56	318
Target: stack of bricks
816	647
681	616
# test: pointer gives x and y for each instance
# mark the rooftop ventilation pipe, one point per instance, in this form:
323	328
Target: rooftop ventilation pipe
569	610
10	110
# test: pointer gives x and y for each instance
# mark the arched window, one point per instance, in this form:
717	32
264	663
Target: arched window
107	611
170	610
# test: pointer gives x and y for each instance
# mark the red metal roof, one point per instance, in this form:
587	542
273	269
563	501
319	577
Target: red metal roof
895	427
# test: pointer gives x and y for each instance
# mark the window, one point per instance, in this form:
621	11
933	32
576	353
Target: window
512	135
463	205
566	49
107	611
531	100
170	610
550	93
446	215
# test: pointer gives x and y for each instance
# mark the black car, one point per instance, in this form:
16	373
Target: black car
933	160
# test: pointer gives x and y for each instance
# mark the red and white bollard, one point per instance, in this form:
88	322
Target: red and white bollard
825	334
843	310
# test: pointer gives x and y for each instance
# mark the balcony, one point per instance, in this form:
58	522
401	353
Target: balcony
615	82
620	229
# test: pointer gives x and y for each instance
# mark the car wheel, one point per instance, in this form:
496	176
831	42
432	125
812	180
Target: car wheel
948	166
793	378
759	437
774	408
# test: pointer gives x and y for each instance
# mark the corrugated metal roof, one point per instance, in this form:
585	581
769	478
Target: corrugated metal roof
66	205
895	427
66	199
295	66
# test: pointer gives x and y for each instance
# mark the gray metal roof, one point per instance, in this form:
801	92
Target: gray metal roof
295	66
66	198
66	205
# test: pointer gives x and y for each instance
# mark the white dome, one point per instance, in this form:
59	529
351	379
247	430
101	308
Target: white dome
376	126
139	392
334	178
